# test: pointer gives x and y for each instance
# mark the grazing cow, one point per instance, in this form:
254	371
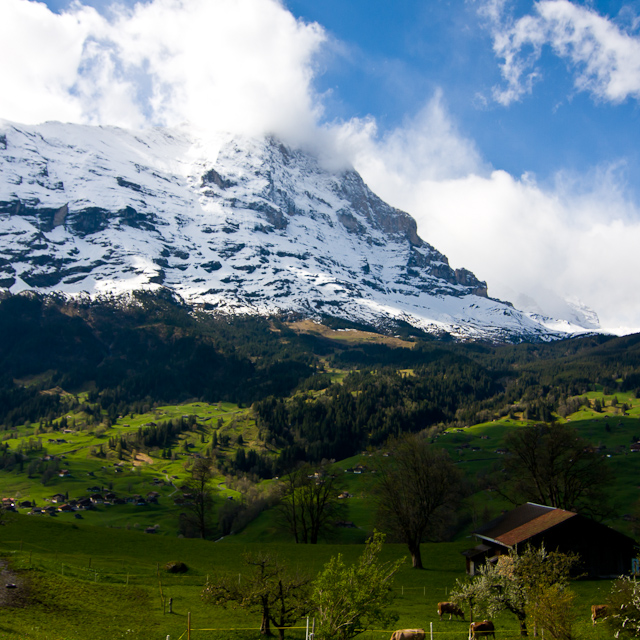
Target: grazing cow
599	611
484	628
451	609
408	634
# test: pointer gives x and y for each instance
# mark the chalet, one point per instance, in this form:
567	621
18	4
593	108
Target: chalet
65	508
604	551
58	497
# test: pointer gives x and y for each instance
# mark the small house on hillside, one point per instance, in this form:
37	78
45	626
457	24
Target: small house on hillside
604	551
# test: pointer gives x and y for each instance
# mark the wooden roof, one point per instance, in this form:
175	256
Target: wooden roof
522	523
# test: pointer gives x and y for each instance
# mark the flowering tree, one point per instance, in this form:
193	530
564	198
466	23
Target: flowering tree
624	608
514	583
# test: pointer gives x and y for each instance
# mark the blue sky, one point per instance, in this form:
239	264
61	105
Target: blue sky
387	59
400	53
508	128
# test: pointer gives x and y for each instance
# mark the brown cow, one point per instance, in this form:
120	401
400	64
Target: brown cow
408	634
599	611
484	628
451	609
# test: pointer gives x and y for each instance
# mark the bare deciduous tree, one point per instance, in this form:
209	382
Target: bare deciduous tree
309	506
418	491
281	597
551	464
198	498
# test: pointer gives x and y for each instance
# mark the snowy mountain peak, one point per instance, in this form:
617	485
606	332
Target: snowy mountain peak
237	225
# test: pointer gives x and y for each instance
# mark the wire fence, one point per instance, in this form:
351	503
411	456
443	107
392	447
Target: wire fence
197	633
140	575
103	570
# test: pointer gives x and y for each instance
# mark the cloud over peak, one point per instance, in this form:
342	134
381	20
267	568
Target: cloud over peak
234	65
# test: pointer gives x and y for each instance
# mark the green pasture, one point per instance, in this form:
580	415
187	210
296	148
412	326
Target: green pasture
102	583
476	449
102	577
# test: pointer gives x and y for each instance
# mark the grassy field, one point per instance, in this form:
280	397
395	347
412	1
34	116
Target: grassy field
101	577
475	448
77	450
96	582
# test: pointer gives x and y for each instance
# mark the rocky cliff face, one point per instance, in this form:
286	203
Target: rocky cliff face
235	225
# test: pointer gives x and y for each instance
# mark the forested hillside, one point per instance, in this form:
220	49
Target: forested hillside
315	396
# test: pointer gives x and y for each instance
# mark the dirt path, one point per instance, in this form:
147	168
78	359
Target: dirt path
142	458
11	596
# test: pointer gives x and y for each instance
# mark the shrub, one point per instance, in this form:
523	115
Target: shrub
176	567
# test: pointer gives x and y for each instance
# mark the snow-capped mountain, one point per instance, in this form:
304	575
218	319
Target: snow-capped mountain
234	225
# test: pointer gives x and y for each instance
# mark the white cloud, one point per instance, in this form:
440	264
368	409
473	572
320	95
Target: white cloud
235	65
438	151
40	54
576	239
604	59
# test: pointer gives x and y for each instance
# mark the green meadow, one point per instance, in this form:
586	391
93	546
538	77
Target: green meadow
97	582
83	452
101	576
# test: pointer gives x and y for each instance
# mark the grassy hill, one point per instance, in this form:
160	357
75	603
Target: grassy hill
82	463
82	581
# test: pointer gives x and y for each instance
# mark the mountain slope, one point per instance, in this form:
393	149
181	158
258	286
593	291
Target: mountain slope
235	225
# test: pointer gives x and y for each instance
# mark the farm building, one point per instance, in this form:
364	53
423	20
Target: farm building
604	551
